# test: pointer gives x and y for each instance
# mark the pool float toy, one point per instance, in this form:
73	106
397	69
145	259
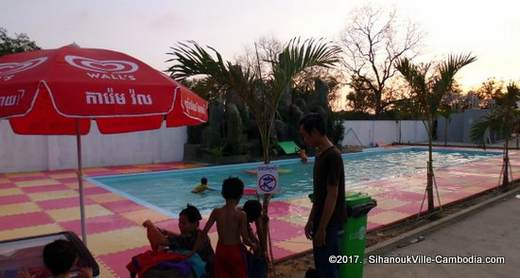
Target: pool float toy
249	191
280	171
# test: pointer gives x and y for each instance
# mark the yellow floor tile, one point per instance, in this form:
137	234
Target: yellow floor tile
106	197
117	241
37	182
19	208
75	185
67	214
299	220
26	174
98	169
297	244
386	217
51	195
10	191
105	271
63	175
303	202
29	231
133	170
139	216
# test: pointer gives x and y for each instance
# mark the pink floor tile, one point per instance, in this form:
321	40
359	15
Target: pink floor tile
402	195
24	220
279	253
372	226
118	261
7	184
45	188
280	208
282	230
13	199
98	224
62	203
121	206
95	190
67	180
411	208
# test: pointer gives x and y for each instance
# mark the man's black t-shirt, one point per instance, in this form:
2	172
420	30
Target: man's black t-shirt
329	171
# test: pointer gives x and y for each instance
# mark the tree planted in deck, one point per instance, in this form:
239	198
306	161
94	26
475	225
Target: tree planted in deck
428	90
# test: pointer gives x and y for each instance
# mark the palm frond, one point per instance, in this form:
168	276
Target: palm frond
478	130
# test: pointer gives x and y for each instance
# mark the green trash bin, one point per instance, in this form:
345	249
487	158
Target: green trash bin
354	238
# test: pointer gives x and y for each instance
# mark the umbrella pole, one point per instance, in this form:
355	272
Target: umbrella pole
80	181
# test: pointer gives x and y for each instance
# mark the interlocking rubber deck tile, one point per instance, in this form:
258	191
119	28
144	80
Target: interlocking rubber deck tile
388	217
37	203
45	188
282	230
27	231
20	220
53	195
13	199
37	182
63	203
119	260
98	224
73	213
122	206
296	244
118	240
19	208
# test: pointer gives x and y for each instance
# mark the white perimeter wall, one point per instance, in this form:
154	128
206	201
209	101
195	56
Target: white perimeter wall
20	153
384	132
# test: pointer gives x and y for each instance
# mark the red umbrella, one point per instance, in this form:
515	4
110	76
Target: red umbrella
59	91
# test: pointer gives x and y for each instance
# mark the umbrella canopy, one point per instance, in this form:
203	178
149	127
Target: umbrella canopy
59	92
50	92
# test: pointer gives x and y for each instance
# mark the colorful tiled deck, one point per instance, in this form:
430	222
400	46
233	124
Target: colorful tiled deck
46	202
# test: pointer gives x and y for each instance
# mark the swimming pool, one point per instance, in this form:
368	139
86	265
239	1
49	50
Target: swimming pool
169	191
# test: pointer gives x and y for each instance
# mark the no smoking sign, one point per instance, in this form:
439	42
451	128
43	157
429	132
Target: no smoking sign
267	179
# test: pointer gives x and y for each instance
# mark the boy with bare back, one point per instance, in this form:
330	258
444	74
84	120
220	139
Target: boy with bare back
230	256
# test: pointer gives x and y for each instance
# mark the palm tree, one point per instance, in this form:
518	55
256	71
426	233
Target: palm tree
503	119
428	91
261	92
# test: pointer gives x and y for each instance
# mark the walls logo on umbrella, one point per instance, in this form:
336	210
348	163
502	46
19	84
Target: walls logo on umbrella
9	69
104	69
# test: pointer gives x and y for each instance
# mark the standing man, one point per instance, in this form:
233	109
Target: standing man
325	223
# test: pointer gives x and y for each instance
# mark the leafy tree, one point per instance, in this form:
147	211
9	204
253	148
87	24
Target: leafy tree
503	119
372	42
428	92
18	43
261	91
489	91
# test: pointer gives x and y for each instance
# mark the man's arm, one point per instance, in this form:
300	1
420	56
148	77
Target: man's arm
308	226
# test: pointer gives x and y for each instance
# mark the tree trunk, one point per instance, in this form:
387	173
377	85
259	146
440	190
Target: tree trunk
446	122
505	180
429	172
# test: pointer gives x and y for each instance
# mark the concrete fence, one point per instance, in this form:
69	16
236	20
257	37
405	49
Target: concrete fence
39	153
369	133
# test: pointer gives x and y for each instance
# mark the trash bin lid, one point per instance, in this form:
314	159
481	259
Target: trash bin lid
357	198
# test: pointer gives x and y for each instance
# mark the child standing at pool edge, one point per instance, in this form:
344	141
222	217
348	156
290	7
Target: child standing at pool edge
230	260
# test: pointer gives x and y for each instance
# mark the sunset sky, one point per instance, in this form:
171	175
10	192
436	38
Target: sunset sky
146	29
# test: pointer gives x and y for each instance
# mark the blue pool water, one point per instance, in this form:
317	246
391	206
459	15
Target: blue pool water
171	190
